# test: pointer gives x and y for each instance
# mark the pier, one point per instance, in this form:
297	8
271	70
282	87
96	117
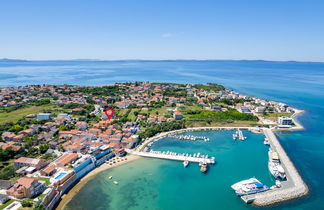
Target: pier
239	134
293	187
189	137
173	156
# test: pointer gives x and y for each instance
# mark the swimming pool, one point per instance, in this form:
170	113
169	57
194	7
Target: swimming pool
61	175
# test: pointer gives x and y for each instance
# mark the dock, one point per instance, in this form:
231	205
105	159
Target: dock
173	156
293	187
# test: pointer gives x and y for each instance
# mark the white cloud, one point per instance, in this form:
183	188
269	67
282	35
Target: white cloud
166	35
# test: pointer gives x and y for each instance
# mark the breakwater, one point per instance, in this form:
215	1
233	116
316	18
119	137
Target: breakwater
293	188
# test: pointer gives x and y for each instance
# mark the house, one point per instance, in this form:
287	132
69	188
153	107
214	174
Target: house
27	132
6	184
216	107
260	109
81	125
245	110
49	170
8	136
65	159
177	116
26	187
30	162
10	144
43	116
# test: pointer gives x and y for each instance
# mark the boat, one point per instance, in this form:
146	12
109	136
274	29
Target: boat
185	163
276	170
273	156
266	141
110	177
249	186
115	182
203	167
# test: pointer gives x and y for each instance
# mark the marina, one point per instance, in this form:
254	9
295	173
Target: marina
239	135
292	187
196	158
283	170
190	137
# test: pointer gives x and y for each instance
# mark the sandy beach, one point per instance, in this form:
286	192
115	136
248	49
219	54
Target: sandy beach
67	197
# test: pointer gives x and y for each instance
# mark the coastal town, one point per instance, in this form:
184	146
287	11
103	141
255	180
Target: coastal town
54	135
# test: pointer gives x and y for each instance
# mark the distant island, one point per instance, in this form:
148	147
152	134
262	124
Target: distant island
53	135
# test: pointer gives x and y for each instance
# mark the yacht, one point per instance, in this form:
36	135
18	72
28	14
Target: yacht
185	163
276	170
249	186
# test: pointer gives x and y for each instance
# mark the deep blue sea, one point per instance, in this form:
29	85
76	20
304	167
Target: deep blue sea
298	84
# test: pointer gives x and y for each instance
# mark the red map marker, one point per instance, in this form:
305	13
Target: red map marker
109	113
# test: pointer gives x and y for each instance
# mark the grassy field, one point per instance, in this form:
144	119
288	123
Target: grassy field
222	124
274	116
6	117
46	180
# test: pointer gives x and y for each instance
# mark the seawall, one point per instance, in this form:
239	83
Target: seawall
293	188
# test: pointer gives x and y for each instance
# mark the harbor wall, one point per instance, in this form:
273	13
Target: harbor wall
294	189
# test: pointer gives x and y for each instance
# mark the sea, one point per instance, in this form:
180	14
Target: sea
162	184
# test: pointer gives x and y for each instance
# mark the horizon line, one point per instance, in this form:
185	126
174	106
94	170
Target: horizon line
138	59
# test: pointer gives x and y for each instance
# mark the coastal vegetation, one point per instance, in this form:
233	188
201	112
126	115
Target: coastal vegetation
226	116
150	129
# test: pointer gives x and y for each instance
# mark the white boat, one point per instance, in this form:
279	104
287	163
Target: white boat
110	177
276	170
185	163
249	186
115	182
273	156
266	141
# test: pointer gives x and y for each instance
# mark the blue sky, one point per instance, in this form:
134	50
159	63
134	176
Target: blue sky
162	29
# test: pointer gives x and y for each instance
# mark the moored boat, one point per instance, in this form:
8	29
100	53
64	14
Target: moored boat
249	186
185	163
276	170
203	167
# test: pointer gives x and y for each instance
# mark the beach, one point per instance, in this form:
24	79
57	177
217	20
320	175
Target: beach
67	197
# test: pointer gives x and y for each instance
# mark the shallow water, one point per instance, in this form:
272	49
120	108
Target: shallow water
165	184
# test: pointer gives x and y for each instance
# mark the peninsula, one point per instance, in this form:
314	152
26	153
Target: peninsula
56	137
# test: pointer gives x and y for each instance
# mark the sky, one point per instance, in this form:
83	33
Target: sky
162	29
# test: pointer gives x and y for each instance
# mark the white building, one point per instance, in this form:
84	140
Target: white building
43	116
285	120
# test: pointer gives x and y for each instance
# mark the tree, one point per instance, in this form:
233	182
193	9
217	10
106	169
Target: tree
26	203
43	148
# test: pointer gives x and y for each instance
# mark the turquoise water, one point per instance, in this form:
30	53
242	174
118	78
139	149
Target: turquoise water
300	84
165	184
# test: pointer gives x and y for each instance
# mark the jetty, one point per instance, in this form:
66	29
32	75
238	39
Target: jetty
174	156
239	134
293	187
189	137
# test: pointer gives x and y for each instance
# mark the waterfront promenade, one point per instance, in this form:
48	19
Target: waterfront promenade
173	156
